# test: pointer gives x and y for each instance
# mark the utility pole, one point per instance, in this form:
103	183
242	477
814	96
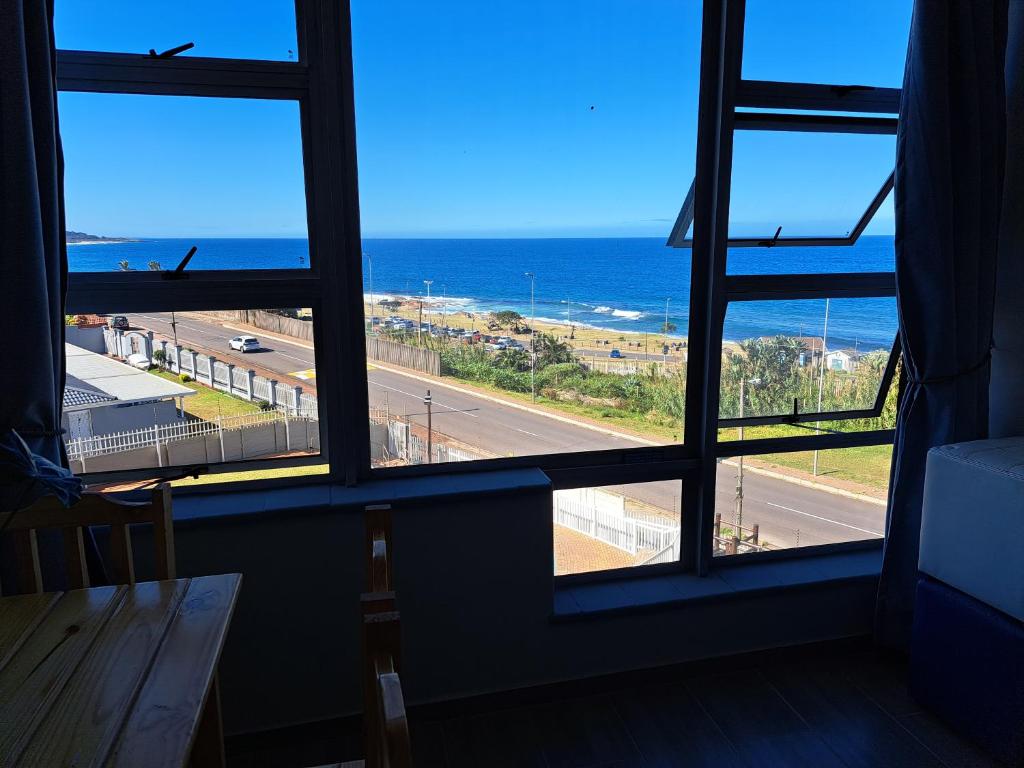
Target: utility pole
821	384
739	468
428	283
444	307
427	401
533	338
419	327
174	331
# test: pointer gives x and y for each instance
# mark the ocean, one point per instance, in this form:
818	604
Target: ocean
618	284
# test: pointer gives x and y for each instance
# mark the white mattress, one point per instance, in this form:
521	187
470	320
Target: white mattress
972	527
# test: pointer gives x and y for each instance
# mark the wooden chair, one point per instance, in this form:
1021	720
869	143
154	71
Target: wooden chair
385	726
92	509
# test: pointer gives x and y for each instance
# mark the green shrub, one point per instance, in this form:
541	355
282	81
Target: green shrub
184	378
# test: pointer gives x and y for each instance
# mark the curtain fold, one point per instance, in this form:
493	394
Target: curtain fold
33	260
949	177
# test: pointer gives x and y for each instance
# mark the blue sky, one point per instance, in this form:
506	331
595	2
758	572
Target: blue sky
499	119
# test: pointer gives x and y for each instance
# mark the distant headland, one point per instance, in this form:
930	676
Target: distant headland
81	238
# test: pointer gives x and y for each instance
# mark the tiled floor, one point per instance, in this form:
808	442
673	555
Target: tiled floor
827	706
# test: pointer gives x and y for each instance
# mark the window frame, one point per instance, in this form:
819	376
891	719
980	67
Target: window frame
723	94
321	80
320	83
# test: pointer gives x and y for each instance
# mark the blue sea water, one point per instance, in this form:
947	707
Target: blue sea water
619	284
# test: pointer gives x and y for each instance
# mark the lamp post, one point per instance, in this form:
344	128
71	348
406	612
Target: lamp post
428	283
369	272
428	401
533	338
664	348
821	383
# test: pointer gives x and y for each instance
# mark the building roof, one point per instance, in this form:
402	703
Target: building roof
93	379
76	396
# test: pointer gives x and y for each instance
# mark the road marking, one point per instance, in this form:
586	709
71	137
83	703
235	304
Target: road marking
306	375
819	517
531	434
420	397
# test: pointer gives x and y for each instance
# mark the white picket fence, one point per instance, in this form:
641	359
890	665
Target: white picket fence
161	434
626	533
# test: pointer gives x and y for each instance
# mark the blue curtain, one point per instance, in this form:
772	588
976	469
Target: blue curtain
949	176
33	261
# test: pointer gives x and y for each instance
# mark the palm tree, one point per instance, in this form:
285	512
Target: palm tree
154	266
514	359
123	265
551	351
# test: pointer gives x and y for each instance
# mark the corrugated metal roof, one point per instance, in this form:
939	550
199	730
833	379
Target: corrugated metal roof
98	373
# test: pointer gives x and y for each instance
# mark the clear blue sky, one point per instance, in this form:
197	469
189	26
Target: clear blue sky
502	118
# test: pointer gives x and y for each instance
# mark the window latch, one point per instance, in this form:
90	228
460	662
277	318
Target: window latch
170	52
774	241
179	272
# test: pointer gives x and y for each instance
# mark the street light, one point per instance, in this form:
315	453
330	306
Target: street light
664	349
821	383
428	283
739	463
428	401
369	261
533	337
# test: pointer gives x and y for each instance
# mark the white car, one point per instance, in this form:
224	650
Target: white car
244	343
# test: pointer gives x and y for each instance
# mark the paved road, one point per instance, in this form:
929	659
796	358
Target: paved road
787	513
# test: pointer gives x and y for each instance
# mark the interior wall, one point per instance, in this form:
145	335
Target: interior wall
474	583
1006	411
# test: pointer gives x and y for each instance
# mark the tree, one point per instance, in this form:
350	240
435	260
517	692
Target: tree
160	358
551	351
515	359
668	327
154	266
769	370
124	266
507	319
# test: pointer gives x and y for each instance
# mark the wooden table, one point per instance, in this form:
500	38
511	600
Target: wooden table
114	676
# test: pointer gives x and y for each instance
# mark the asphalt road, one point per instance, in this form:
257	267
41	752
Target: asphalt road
788	514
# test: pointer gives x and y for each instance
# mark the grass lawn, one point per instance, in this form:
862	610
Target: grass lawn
252	474
207	403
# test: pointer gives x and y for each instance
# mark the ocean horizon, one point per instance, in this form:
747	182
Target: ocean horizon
621	285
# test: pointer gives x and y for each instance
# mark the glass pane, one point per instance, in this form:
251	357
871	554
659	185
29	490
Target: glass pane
163	389
810	184
786	500
148	177
518	140
258	30
616	526
805	41
821	355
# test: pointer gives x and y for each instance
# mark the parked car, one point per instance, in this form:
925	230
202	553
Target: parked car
118	321
138	360
244	343
615	353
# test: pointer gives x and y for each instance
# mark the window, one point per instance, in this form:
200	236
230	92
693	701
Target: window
518	170
266	30
155	175
618	526
805	41
562	250
200	246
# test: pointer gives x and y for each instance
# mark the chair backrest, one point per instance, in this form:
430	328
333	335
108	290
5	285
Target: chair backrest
387	730
92	509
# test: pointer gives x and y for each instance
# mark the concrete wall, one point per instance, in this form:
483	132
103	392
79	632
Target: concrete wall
474	581
86	338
